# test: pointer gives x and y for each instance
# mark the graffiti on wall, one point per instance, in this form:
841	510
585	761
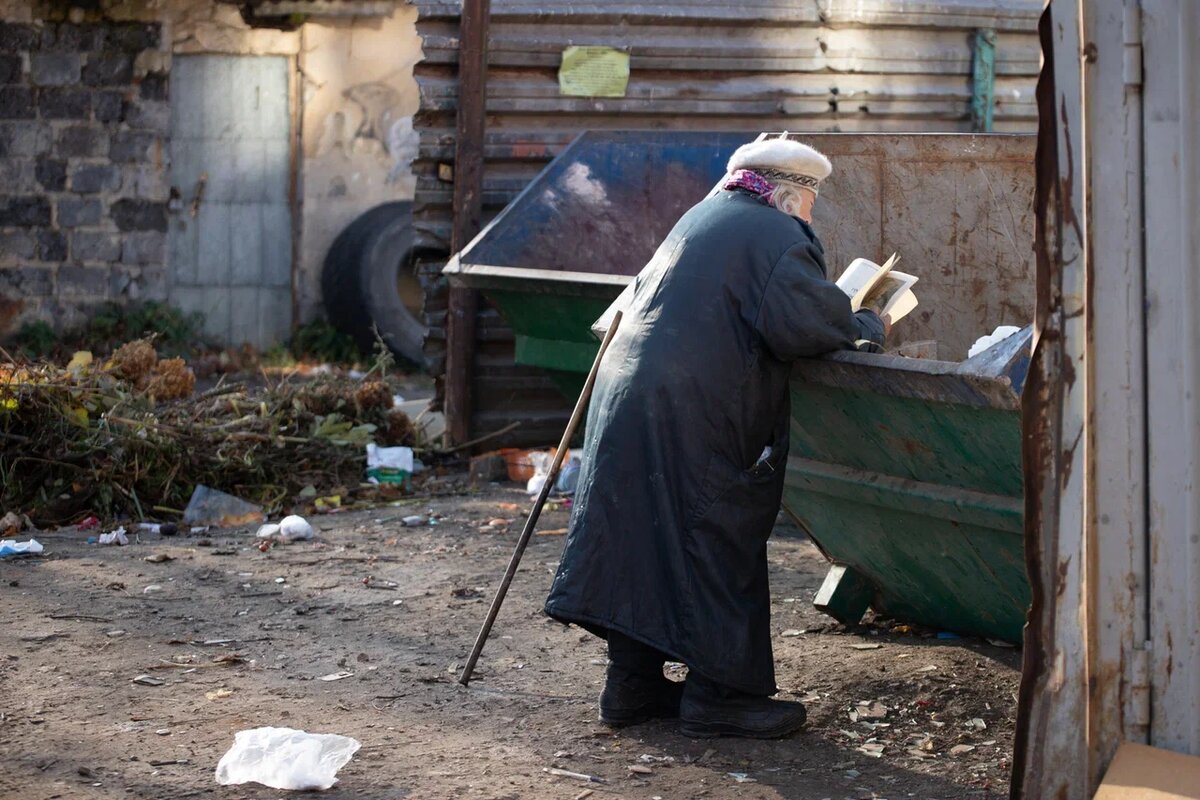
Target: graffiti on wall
370	123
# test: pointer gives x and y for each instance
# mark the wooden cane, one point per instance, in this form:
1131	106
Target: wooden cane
536	512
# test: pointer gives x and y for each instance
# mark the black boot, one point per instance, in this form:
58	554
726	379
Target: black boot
709	710
635	689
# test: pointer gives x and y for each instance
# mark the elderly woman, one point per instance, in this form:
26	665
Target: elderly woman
687	441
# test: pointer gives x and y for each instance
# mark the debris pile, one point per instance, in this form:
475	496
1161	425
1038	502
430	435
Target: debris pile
130	435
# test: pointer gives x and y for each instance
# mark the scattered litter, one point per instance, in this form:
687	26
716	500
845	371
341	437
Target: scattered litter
268	531
216	508
646	758
959	749
638	769
568	476
948	635
294	528
872	749
741	777
984	342
930	668
168	529
1000	643
866	646
87	523
541	461
579	776
285	758
116	537
153	588
371	583
148	680
158	558
553	532
329	503
336	676
219	694
975	724
11	547
868	710
389	464
584	794
163	732
792	632
290	529
414	521
12	523
114	634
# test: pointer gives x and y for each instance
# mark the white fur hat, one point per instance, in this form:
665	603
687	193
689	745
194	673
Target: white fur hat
783	159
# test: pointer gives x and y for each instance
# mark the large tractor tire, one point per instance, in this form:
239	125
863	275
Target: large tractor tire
368	282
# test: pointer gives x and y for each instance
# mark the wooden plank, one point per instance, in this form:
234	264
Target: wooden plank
468	207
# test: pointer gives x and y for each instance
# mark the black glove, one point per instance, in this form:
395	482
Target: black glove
870	331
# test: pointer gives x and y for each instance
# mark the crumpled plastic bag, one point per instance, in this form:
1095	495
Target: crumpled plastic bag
289	529
542	461
11	547
984	342
285	758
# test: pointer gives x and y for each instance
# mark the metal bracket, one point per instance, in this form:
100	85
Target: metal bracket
983	80
1139	690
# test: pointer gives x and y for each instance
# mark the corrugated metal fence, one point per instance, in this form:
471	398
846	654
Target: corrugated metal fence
827	65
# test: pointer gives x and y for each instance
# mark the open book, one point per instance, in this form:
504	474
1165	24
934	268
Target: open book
881	289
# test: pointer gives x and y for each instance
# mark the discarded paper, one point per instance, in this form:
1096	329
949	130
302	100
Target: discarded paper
593	71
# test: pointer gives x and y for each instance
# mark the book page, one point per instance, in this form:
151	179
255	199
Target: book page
860	278
882	293
857	278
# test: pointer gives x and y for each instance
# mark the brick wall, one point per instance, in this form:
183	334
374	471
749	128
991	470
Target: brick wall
83	190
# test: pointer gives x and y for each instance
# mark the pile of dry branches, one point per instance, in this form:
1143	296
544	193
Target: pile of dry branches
129	436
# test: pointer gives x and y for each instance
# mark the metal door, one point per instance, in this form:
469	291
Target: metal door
231	227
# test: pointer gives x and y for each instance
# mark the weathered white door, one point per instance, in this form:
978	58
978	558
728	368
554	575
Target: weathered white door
231	229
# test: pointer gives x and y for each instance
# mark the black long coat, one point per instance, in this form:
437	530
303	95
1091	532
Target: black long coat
674	507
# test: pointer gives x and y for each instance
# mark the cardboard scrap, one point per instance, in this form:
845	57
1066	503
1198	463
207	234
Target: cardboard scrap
1139	772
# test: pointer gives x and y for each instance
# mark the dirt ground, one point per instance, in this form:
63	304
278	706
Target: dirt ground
391	612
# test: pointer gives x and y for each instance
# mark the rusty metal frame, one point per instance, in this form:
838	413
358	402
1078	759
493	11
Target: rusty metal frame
468	211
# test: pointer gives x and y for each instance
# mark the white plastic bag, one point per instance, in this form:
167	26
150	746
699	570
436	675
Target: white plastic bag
542	461
289	529
11	547
285	758
984	342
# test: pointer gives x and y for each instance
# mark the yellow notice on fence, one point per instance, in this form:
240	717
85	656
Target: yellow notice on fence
593	71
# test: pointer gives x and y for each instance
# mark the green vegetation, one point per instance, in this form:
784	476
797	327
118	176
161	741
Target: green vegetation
175	332
320	341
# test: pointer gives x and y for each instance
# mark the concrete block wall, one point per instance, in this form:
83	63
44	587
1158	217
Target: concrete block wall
85	141
83	194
